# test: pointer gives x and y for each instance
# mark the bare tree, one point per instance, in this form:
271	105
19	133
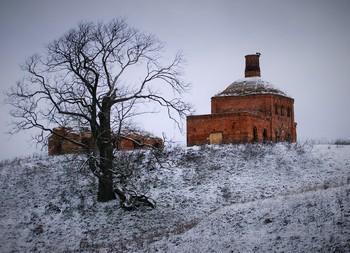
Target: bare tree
96	76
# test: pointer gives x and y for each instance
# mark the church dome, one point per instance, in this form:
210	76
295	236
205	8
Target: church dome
252	83
250	86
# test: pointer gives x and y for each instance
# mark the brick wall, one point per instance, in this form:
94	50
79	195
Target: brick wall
282	122
58	145
259	104
244	119
235	128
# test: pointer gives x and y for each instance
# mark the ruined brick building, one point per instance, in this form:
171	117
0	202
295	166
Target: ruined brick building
248	110
58	145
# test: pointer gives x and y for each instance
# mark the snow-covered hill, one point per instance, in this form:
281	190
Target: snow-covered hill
233	198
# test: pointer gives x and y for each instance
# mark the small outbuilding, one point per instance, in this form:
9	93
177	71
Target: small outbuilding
248	110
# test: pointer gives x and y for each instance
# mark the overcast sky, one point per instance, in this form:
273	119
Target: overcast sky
304	46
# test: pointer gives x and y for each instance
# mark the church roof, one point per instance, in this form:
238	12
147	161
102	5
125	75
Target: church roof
250	86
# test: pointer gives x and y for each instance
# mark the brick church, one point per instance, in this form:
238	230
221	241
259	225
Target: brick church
248	110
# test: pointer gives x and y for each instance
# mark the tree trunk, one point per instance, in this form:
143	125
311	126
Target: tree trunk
105	191
105	188
105	184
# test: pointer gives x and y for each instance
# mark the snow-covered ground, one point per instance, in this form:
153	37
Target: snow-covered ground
232	198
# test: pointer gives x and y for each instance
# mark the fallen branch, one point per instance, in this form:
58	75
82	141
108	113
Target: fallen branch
131	200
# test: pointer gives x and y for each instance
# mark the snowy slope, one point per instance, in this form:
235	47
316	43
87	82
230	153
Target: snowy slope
233	198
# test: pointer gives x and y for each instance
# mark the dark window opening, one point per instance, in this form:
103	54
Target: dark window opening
255	134
265	135
288	112
276	109
282	111
288	137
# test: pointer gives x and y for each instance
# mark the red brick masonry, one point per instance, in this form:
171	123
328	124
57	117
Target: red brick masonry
58	145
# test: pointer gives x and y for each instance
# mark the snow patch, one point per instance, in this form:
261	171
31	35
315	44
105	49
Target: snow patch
250	86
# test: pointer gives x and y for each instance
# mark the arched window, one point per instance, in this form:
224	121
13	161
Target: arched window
276	136
265	135
276	109
288	111
255	134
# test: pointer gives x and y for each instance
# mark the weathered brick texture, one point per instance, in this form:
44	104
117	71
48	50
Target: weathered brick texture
252	65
